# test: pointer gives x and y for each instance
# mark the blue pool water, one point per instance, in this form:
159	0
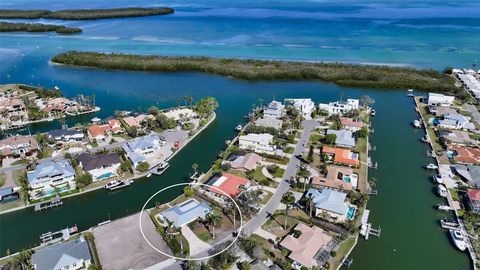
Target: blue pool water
351	213
105	176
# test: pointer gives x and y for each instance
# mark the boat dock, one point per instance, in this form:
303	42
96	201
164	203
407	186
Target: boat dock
50	204
160	168
371	165
121	184
366	229
53	237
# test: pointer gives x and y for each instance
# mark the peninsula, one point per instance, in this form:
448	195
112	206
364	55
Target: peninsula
340	73
37	27
83	14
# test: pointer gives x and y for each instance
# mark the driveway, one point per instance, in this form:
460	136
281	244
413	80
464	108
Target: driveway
196	244
473	110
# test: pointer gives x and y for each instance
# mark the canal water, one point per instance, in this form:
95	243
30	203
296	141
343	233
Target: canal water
356	32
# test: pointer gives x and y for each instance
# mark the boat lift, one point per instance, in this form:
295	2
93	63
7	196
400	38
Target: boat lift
49	204
366	229
371	147
371	165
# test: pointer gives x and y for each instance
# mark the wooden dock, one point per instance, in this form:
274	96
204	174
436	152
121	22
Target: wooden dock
366	229
55	202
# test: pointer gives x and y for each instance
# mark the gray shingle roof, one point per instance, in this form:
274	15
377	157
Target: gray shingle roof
50	168
186	212
60	255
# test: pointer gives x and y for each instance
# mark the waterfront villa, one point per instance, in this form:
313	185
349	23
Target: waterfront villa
463	155
304	105
306	246
50	177
18	146
469	174
275	109
330	202
340	107
344	137
142	148
66	135
440	110
100	166
269	121
260	143
98	132
246	162
115	126
188	211
456	137
473	196
340	156
350	124
230	184
8	195
456	121
71	255
440	99
136	121
337	177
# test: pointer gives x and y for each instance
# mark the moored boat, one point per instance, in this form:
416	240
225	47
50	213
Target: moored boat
416	123
458	239
442	191
238	128
431	153
438	178
431	166
116	184
373	112
443	207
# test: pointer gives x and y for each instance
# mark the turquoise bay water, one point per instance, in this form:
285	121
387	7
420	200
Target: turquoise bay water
416	33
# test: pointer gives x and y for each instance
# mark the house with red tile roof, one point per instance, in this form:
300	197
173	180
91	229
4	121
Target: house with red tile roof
351	124
98	132
337	177
464	155
474	200
115	126
341	156
305	245
229	184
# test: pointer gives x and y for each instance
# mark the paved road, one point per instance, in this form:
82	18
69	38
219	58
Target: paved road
284	186
473	110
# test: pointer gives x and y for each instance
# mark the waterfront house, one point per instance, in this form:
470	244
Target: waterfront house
439	99
115	126
330	202
340	107
8	195
350	124
50	177
340	156
246	162
18	146
344	137
473	196
457	137
440	111
100	166
136	121
140	149
275	109
269	121
305	245
66	135
463	154
469	174
260	143
71	255
98	132
227	183
186	212
456	121
337	177
304	105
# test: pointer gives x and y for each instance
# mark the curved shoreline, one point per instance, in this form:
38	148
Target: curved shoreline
342	74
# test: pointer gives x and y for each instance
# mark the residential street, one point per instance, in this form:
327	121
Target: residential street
473	110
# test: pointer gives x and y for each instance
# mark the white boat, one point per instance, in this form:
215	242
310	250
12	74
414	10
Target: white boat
417	123
449	223
148	175
458	239
239	128
442	191
438	178
162	165
431	166
431	153
112	184
56	88
95	120
443	207
115	184
372	112
410	90
425	139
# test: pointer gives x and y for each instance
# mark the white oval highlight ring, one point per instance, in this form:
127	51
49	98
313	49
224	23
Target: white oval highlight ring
191	259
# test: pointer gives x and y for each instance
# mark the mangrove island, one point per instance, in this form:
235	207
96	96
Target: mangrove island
37	27
83	14
386	77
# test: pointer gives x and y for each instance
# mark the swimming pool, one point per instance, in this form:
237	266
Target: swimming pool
106	175
347	179
351	212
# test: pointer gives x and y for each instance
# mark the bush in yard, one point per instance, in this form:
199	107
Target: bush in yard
362	133
84	180
330	139
188	191
273	168
143	166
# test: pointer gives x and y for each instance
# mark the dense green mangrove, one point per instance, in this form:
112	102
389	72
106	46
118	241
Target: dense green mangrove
342	74
83	14
37	27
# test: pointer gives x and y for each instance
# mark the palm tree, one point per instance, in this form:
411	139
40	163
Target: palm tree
214	218
288	199
231	210
185	99
179	100
260	100
190	99
309	204
194	168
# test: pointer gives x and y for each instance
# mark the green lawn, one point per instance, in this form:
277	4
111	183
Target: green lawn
267	197
16	174
289	149
20	161
3	178
279	173
342	251
282	160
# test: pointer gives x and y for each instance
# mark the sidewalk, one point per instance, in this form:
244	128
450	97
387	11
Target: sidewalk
195	244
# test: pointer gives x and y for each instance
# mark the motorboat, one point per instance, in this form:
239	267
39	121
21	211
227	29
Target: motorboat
239	128
148	175
95	120
372	112
442	191
443	207
431	153
425	139
116	184
431	166
410	90
416	123
458	239
112	184
449	223
438	178
162	165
